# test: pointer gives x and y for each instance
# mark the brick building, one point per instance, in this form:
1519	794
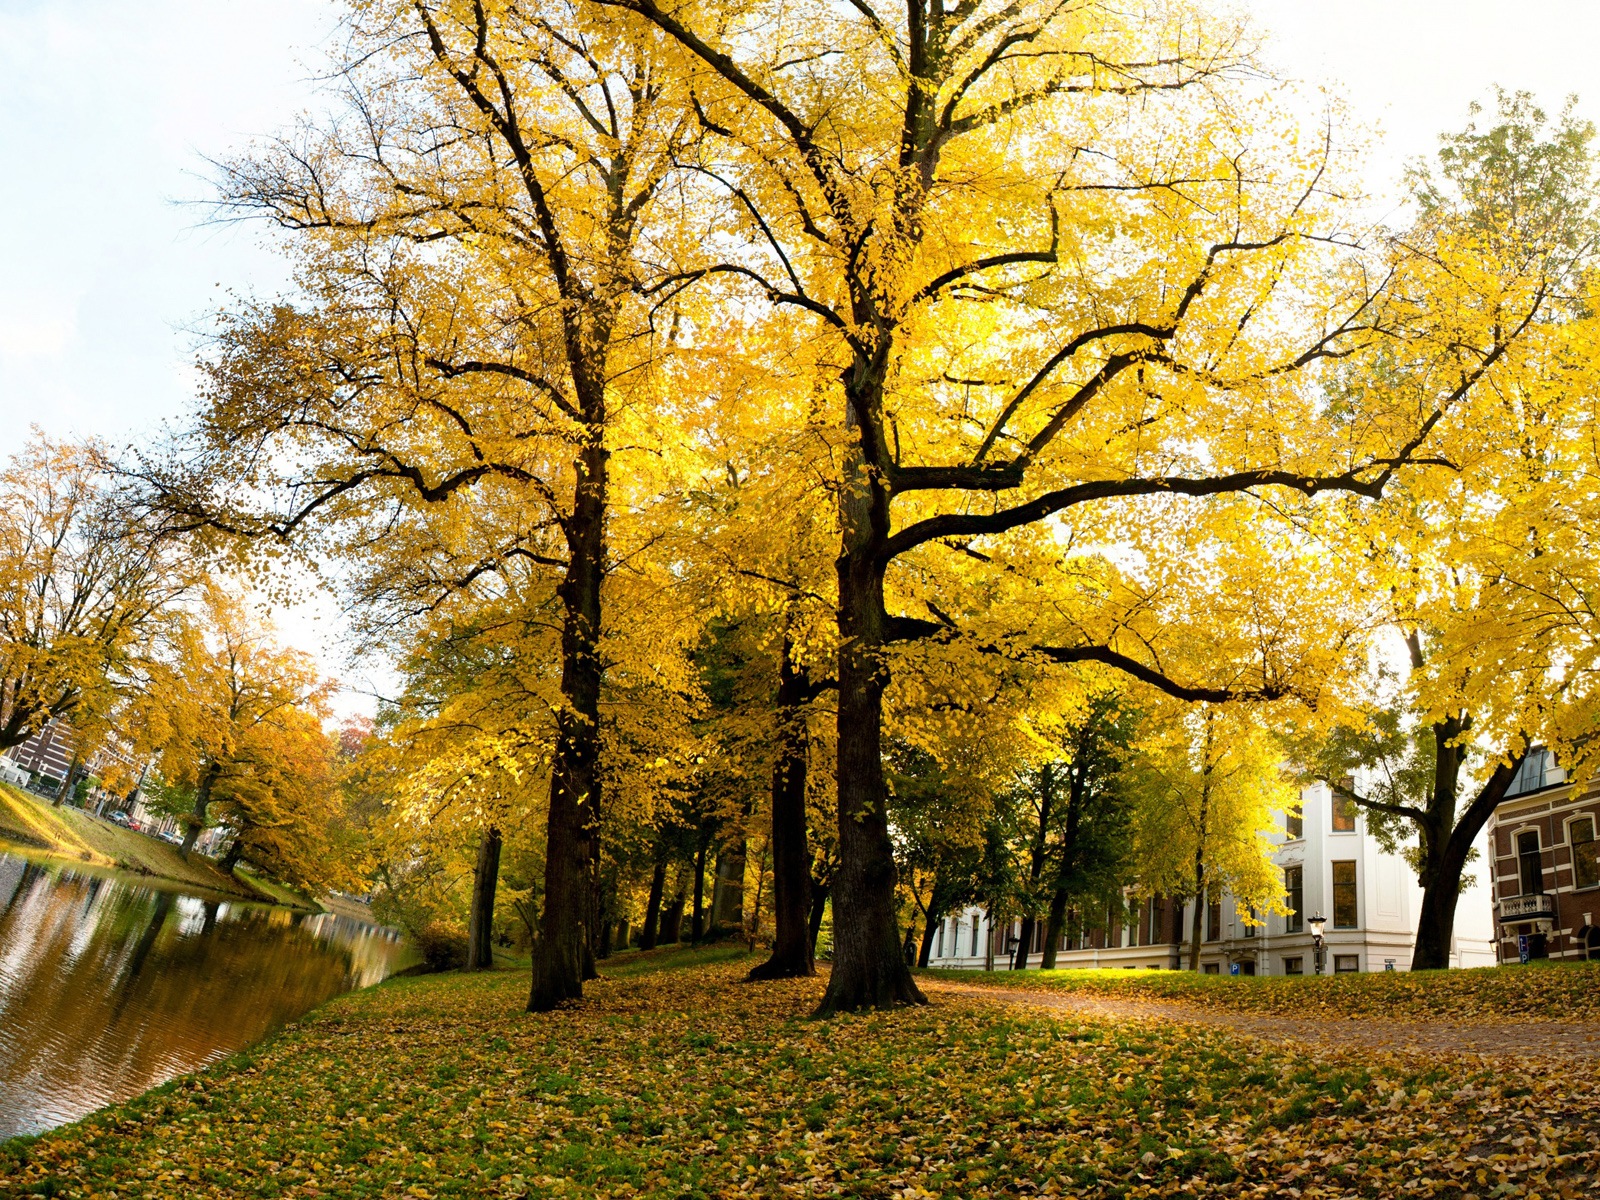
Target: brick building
1546	865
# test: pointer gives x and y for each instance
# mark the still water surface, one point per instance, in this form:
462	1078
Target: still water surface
109	987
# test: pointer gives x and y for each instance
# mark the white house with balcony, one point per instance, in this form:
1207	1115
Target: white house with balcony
1332	867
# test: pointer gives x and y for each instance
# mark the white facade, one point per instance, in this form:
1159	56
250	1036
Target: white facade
1370	899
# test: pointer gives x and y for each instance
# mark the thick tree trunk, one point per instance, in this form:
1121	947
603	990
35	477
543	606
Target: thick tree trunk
202	801
791	856
727	895
672	919
1445	856
869	970
652	908
560	954
480	917
230	860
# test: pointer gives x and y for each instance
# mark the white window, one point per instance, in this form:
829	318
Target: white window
1346	964
1294	966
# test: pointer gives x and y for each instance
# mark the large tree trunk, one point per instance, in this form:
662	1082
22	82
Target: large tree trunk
1445	847
791	856
652	908
869	970
560	954
480	918
230	860
202	801
727	895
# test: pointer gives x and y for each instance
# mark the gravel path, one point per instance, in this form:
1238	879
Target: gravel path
1530	1039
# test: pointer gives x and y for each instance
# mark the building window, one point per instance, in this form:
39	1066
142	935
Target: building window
1213	918
1529	865
1344	895
1294	824
1585	861
1537	772
1210	969
1346	964
1344	813
974	937
1247	918
1294	881
1294	966
938	942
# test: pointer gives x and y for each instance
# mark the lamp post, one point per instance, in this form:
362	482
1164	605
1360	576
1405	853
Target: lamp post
1315	924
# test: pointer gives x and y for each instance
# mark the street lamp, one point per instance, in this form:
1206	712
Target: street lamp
1316	925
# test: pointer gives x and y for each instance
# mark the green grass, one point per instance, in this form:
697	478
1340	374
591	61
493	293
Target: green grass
1546	991
673	1078
69	832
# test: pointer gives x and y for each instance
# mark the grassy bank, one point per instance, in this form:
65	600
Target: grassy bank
690	1083
1538	992
69	832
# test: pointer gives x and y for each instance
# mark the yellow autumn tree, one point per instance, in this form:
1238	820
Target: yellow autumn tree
1059	262
1207	783
82	584
470	321
234	723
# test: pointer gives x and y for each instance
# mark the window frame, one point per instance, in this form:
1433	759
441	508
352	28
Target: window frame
1294	825
1593	854
1347	958
1354	886
1213	918
1524	857
1294	964
1342	813
1294	920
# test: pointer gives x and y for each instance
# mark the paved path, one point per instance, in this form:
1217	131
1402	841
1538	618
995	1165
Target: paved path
1535	1039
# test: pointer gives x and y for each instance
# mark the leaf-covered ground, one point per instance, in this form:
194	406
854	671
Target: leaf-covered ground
687	1082
1545	991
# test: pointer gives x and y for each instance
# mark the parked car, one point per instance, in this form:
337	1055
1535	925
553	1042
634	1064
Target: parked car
171	837
117	817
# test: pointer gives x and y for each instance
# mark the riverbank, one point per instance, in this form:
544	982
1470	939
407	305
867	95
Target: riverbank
35	825
675	1078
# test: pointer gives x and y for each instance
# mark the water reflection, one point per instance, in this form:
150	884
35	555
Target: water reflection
109	987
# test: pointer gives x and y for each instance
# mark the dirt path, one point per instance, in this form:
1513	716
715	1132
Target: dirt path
1531	1039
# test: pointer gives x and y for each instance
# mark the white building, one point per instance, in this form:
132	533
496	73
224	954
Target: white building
1332	868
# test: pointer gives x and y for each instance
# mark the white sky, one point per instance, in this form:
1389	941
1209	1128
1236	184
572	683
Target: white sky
109	109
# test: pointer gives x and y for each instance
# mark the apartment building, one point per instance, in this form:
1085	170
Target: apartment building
1332	867
1546	865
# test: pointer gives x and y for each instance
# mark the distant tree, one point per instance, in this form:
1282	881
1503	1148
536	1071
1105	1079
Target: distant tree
81	583
1207	783
235	721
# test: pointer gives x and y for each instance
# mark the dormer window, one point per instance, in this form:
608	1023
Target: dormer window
1537	772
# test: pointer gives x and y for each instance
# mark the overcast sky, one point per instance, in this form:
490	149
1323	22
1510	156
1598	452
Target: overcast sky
109	109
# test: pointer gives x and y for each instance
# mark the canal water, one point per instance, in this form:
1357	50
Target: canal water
109	986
